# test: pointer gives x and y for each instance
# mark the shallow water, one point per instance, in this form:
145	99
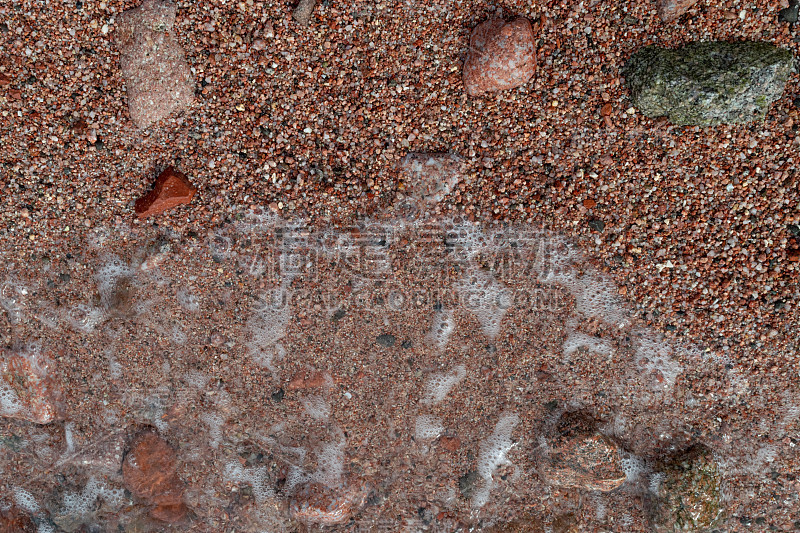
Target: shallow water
441	348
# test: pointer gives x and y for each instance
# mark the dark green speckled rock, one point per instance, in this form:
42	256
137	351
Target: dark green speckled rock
689	494
708	83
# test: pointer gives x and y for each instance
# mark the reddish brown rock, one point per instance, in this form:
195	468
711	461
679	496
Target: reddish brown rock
502	55
669	10
156	73
26	390
451	444
306	379
317	504
15	521
302	11
580	457
171	189
149	472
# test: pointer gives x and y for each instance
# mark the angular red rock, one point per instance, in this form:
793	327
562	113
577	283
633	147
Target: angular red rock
149	472
669	10
502	55
171	189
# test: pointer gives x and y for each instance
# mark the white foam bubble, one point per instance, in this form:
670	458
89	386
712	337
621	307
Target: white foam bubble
316	407
655	355
267	325
25	500
330	464
493	454
12	299
9	401
82	504
655	482
84	317
256	477
108	276
632	465
593	344
440	384
486	298
214	422
68	436
428	427
442	327
188	300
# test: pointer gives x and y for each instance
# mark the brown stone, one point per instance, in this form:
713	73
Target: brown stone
669	10
169	513
149	472
27	387
502	55
305	379
16	521
589	203
317	504
156	73
580	457
302	11
451	444
171	189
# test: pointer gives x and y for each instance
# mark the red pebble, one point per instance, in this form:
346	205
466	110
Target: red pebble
171	189
502	55
670	10
149	472
15	521
451	444
305	379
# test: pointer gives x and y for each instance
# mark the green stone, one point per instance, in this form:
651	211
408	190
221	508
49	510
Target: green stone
708	83
689	494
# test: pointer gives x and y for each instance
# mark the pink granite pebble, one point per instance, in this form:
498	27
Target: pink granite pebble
502	55
156	73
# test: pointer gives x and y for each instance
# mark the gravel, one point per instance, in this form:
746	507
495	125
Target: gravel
310	129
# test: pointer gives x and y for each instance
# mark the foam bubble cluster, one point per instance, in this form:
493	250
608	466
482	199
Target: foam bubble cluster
493	454
441	383
428	427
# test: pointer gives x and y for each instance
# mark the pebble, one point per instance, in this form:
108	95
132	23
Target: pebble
580	457
149	472
451	444
306	379
170	190
317	504
689	493
670	10
302	11
789	14
502	55
156	73
386	340
27	375
14	520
